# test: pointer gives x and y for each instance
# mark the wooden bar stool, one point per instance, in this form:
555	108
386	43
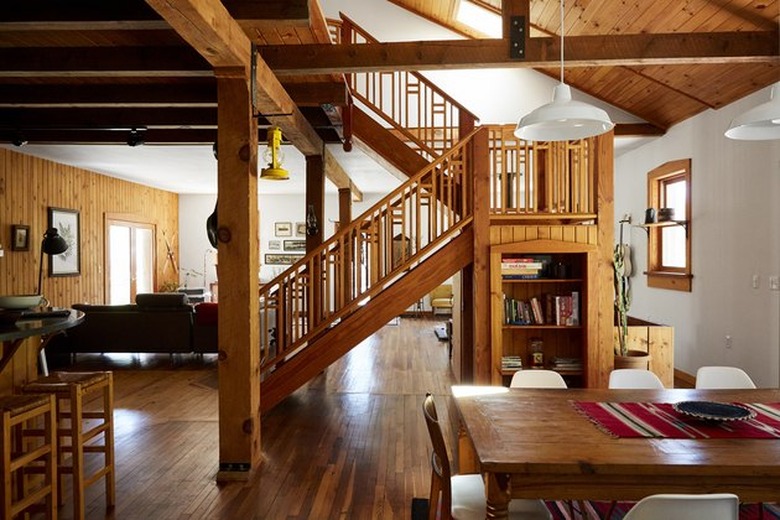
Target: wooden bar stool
72	390
21	456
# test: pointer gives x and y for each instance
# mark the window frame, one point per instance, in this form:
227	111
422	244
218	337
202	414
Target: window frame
658	275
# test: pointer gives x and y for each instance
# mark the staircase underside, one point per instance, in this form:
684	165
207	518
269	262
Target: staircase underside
338	340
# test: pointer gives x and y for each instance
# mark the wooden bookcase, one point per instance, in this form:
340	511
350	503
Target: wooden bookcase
568	269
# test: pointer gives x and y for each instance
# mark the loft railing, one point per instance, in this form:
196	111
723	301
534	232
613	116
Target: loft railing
540	179
367	255
426	116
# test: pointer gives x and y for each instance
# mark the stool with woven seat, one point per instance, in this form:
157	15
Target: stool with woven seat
23	455
81	434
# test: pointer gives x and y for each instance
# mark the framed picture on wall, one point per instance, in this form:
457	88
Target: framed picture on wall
281	259
274	245
66	221
295	245
20	238
283	229
300	229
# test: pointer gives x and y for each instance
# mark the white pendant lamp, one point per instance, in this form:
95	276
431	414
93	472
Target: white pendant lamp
759	123
563	119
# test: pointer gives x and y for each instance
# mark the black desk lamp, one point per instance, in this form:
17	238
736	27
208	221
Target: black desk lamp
52	244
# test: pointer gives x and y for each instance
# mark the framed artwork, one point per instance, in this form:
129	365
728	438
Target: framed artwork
20	238
283	229
275	245
67	223
300	229
281	259
295	245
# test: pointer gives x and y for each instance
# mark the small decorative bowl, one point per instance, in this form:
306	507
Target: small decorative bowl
20	302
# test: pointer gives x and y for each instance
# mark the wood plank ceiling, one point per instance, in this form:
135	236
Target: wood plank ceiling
89	71
660	94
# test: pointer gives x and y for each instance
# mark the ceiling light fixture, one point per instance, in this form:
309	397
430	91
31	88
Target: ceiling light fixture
760	123
563	119
273	155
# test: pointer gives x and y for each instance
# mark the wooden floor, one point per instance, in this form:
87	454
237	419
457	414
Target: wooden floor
351	444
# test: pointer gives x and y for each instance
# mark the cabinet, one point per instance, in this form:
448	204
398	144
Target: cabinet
540	308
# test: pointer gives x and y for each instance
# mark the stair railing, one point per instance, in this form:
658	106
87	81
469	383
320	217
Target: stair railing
429	120
367	255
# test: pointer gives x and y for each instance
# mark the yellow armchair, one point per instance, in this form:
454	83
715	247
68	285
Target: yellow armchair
441	299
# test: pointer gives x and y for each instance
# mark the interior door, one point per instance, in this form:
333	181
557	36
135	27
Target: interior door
130	257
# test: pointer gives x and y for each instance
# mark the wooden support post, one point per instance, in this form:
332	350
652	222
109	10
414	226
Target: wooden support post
481	267
239	342
600	359
315	203
347	267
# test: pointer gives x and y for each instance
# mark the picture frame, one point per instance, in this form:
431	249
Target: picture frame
66	221
281	259
274	245
283	229
300	229
20	238
295	245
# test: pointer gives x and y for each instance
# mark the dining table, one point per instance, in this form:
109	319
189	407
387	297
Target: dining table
543	444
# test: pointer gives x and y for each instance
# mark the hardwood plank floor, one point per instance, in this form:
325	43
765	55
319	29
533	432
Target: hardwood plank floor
351	444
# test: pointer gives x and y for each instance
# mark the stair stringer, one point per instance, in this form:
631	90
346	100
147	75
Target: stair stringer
349	332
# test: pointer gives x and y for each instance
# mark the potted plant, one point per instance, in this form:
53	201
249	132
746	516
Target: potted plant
624	357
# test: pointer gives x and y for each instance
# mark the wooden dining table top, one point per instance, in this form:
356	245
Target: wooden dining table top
540	446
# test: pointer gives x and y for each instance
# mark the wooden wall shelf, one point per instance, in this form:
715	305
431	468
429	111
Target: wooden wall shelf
666	223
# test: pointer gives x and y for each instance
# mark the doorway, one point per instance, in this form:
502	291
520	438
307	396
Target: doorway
130	259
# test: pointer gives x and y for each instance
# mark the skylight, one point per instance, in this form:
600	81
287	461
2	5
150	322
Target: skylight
478	18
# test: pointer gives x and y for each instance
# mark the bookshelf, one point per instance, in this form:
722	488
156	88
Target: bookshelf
540	304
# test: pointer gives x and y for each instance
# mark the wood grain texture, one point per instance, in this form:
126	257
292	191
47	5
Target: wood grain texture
351	444
29	185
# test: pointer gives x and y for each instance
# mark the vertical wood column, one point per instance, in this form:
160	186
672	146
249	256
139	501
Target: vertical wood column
315	197
345	218
239	342
481	267
603	360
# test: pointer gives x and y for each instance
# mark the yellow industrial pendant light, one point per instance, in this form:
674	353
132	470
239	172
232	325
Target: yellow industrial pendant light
273	155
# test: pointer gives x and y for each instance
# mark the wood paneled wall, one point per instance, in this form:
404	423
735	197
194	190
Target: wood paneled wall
29	185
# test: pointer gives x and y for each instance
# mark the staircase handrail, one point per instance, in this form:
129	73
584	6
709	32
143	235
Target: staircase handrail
299	300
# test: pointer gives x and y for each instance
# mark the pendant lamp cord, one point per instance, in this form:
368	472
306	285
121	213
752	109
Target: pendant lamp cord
562	41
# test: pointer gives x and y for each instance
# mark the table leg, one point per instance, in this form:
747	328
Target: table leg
467	458
498	496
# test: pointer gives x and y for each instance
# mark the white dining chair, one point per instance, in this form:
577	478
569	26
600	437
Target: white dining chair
715	506
535	378
714	377
462	497
634	378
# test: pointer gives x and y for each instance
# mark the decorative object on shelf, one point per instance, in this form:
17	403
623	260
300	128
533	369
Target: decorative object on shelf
536	346
713	411
665	214
650	216
312	226
760	123
283	229
563	119
273	156
20	238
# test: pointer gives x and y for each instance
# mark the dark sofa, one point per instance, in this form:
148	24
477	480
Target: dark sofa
157	322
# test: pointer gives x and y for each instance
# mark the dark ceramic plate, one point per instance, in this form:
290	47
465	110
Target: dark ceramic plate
713	411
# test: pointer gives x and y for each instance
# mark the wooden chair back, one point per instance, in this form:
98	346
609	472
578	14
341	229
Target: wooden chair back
440	465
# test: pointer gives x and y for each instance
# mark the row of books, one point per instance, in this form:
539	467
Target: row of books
525	268
563	364
554	309
511	363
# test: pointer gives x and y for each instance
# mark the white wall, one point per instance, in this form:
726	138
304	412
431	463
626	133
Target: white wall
735	235
194	245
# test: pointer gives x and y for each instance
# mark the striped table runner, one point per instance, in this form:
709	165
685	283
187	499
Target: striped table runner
659	420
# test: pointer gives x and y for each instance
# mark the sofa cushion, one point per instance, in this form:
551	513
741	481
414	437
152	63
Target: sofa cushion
161	300
206	313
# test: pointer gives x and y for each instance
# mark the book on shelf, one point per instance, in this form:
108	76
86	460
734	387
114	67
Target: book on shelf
566	363
511	363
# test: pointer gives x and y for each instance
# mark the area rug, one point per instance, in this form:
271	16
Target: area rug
596	509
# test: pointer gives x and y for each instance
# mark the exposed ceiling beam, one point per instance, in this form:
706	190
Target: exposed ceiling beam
196	94
581	51
209	29
50	15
